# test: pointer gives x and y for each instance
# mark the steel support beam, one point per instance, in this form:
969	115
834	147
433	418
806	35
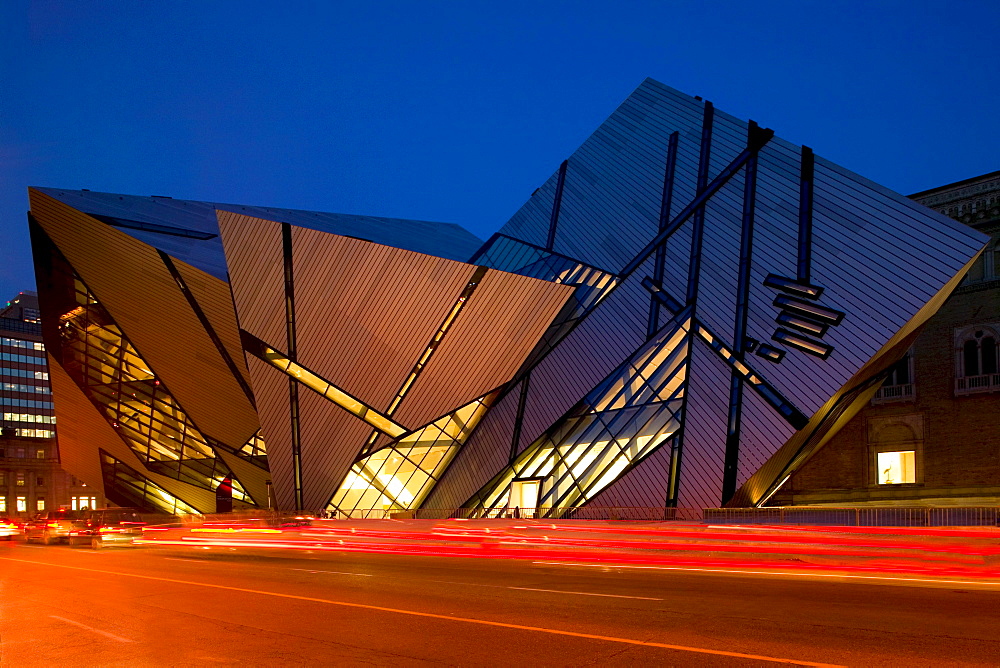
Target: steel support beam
556	205
666	200
293	386
730	468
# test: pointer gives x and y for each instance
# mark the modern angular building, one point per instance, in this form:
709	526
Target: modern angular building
680	316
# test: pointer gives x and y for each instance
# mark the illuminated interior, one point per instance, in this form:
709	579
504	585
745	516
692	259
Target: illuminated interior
895	468
254	450
107	367
332	392
127	487
624	419
399	476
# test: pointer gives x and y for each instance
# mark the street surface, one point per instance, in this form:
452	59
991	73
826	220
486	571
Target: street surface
155	606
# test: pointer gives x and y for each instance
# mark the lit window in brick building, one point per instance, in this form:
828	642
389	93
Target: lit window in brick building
896	468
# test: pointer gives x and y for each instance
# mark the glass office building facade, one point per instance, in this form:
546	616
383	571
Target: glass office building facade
684	312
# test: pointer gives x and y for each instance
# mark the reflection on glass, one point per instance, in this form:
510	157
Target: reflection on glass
624	419
254	450
519	257
128	487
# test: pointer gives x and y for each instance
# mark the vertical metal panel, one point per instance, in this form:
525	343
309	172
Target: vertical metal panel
704	430
81	430
135	286
270	387
762	431
331	440
216	301
256	274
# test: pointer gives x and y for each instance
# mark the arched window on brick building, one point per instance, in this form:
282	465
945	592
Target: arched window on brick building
977	360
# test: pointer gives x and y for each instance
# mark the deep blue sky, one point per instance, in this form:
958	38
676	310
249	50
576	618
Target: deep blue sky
456	111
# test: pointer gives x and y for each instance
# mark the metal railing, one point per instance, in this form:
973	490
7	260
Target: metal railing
889	393
861	516
989	382
872	516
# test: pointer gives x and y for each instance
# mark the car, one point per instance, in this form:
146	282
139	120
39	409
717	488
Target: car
50	527
107	526
9	527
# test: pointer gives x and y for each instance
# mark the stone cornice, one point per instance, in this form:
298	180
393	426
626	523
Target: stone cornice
970	192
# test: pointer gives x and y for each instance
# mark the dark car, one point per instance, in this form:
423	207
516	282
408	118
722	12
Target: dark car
107	526
53	526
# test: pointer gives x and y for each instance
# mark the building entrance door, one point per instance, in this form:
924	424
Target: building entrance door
524	497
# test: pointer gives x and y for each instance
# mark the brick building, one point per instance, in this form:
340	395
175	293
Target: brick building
931	435
30	477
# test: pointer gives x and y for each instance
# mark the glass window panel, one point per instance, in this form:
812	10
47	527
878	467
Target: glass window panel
988	346
970	356
896	468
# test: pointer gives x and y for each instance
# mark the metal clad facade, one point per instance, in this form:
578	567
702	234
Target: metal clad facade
256	275
863	235
107	259
270	388
331	440
216	302
366	308
365	313
83	431
704	442
494	332
585	357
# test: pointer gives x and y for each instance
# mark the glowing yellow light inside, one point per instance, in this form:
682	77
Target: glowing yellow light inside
333	393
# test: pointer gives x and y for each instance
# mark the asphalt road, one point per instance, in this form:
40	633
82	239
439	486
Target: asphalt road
151	606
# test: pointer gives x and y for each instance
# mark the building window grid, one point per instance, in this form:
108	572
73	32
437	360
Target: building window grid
23	373
26	403
29	417
23	359
28	389
21	343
